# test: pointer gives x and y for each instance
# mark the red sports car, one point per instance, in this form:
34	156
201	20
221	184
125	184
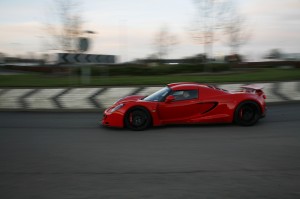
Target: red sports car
188	103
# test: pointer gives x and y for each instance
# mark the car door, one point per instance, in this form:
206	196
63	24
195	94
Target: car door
183	107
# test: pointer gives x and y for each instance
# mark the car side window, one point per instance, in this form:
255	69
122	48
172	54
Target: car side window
185	94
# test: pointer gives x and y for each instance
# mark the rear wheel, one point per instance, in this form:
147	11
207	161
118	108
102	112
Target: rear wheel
137	119
247	113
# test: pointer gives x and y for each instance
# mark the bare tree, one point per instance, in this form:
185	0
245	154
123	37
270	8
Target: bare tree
209	21
163	42
63	25
274	54
237	31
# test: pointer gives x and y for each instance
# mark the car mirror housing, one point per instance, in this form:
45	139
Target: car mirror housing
170	98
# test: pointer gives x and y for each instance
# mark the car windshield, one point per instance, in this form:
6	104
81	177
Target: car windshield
158	96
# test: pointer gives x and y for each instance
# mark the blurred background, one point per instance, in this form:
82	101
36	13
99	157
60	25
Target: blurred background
114	42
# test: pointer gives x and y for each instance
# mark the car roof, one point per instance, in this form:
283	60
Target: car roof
185	85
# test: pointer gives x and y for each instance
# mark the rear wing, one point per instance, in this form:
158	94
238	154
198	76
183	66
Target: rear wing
255	89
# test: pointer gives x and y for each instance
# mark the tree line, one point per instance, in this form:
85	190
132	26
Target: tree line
215	21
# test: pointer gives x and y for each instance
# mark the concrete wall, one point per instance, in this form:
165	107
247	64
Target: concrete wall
101	98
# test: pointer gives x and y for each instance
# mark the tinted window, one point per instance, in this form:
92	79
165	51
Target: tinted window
185	94
158	96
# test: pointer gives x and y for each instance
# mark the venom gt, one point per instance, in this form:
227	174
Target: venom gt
188	103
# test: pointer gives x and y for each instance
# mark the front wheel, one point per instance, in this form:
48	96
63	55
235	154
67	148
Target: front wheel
247	113
137	119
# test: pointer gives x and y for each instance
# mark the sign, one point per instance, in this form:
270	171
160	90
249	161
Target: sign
69	58
83	44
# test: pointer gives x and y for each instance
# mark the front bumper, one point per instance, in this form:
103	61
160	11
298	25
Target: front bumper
114	119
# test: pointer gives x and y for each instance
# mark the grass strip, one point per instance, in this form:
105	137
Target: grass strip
262	75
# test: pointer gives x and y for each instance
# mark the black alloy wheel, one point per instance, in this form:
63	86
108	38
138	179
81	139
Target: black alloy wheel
137	119
247	113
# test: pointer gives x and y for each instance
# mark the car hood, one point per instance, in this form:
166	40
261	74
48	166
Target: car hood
131	98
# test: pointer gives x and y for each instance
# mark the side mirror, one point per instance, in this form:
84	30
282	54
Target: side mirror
170	98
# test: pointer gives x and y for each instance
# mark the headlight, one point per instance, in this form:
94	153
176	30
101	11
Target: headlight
116	108
119	100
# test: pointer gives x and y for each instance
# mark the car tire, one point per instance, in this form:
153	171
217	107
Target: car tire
137	119
247	113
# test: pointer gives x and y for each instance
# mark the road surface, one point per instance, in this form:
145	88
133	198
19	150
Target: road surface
67	155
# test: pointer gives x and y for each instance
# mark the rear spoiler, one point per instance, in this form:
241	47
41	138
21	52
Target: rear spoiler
253	87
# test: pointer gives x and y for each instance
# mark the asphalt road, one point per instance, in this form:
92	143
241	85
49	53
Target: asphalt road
67	155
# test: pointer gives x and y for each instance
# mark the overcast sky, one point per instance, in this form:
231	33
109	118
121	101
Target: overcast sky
127	27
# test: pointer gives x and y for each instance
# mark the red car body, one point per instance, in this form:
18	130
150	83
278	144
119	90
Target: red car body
188	103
